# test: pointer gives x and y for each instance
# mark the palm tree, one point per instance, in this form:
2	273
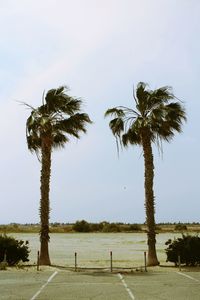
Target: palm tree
155	118
49	127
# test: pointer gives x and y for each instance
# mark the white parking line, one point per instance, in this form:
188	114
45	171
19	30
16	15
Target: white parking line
190	277
50	278
126	286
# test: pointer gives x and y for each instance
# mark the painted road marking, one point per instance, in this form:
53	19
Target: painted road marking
190	277
126	286
49	280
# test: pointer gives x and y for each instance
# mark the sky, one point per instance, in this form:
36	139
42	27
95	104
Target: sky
100	49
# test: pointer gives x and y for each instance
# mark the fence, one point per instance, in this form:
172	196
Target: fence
110	267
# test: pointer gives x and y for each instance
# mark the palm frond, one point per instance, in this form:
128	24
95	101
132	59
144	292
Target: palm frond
71	106
160	96
142	95
59	140
115	111
117	126
134	97
59	100
25	104
127	110
74	124
131	137
33	142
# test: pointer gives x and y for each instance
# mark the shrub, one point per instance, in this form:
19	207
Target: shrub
187	247
135	227
81	226
180	227
15	250
94	227
111	227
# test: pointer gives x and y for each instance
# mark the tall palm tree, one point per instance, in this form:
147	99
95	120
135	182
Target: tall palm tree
155	118
49	127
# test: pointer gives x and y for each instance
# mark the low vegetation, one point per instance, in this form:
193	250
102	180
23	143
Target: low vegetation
180	227
187	248
12	251
84	226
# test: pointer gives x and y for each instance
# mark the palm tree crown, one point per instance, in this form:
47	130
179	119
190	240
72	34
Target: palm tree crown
155	115
56	119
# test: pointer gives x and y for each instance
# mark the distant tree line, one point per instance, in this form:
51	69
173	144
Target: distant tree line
104	226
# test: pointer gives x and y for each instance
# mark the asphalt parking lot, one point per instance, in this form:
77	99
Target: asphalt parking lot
54	283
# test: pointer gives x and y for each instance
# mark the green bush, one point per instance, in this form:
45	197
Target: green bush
180	227
15	250
187	247
81	226
95	227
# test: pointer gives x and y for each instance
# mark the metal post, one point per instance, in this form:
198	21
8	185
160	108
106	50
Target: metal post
179	262
145	261
5	256
111	264
75	256
38	260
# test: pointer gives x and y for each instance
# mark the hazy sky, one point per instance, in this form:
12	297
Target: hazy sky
99	48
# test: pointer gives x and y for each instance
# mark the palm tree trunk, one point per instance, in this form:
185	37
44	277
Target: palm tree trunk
149	200
44	202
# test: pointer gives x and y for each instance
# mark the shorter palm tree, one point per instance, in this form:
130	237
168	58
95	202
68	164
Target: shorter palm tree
49	127
154	119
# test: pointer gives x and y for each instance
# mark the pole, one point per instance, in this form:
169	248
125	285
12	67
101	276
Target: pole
145	261
5	257
75	256
38	260
179	262
111	263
